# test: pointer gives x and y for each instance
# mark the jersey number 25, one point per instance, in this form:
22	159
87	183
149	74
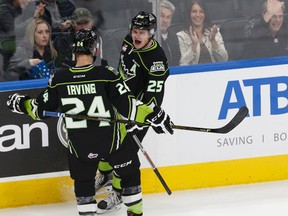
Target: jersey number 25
155	85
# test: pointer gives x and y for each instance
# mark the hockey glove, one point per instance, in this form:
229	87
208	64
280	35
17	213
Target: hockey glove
160	121
15	103
134	128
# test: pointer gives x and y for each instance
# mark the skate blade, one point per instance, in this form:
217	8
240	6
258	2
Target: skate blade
104	211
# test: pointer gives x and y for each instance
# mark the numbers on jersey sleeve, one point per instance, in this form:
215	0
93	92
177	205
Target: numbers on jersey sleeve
155	85
122	88
96	109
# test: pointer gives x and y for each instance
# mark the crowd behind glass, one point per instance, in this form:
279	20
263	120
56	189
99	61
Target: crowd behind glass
36	37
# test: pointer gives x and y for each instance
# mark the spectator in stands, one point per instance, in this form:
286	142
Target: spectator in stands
200	41
9	10
81	19
95	9
169	40
57	13
16	14
267	34
35	56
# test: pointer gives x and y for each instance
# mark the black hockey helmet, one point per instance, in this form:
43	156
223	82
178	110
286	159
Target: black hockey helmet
146	21
85	42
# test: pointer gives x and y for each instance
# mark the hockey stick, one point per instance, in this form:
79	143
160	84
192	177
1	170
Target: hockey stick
152	164
236	120
55	114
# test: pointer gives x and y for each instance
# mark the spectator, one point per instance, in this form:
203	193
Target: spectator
95	9
81	19
169	40
35	56
200	42
57	13
16	14
267	34
9	10
30	12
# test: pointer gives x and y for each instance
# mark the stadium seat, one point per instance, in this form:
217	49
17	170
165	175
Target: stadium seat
248	8
234	36
219	10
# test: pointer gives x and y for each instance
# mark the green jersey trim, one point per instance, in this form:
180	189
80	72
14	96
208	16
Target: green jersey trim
81	82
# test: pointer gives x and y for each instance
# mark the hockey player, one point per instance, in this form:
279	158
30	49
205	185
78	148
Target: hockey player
95	91
143	65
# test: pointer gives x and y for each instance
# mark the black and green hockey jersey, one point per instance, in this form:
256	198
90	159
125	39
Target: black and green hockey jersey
144	71
93	91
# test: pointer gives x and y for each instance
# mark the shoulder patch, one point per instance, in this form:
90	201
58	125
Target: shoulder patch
112	70
157	66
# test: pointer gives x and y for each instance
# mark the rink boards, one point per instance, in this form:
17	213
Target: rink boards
33	162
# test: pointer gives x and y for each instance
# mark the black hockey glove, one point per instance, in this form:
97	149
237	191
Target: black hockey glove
160	121
15	103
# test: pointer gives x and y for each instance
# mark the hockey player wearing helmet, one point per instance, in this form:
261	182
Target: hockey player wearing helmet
92	90
143	65
143	28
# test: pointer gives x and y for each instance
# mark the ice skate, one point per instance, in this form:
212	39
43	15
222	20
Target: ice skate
111	203
103	183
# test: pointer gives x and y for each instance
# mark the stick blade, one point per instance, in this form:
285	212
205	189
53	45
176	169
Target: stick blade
237	119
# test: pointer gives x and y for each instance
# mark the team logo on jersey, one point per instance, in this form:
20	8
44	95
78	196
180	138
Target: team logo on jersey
92	155
128	72
62	132
131	72
157	66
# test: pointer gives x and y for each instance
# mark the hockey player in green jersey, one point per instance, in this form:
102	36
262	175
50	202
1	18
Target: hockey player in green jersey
95	91
144	67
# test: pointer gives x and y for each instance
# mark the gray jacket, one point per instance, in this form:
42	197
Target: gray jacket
19	63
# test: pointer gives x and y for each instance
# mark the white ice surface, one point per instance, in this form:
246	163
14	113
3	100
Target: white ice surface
261	199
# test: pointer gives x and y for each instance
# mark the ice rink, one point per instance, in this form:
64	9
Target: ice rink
261	199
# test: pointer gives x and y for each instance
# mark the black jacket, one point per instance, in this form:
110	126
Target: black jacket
8	13
171	48
260	43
